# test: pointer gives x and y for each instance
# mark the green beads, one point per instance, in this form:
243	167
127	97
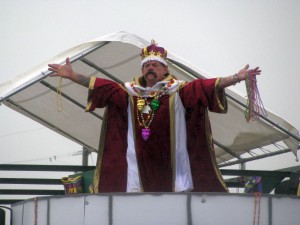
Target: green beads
155	104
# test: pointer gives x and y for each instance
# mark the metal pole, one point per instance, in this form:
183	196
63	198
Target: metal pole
244	160
85	156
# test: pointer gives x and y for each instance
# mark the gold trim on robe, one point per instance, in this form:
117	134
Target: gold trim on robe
100	153
222	103
172	137
91	88
134	135
210	145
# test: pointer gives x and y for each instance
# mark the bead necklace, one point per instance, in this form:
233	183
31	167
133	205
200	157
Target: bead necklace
145	123
35	205
256	216
144	107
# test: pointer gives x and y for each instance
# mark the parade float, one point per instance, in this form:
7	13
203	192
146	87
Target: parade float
60	106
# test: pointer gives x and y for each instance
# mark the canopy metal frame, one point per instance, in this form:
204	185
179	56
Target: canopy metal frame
81	56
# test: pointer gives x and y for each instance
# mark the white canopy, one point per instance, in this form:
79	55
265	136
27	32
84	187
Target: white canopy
116	57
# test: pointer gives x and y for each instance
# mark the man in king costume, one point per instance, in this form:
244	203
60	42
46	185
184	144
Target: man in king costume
156	134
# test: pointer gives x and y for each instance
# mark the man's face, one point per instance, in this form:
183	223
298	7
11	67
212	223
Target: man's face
153	72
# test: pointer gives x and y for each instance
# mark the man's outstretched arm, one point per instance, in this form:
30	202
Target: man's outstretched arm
240	76
66	71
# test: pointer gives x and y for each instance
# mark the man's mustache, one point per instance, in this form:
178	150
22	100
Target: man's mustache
150	72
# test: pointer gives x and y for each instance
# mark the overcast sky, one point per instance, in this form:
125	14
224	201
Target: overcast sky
219	36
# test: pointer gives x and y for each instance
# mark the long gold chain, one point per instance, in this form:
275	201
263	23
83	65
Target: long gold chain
142	105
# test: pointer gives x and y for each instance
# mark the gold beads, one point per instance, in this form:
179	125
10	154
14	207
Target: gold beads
141	104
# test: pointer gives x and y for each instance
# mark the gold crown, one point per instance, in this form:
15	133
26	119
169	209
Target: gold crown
154	52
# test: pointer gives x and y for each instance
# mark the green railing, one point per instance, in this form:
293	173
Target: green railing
53	186
46	186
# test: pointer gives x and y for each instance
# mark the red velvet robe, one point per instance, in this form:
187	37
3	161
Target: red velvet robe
154	156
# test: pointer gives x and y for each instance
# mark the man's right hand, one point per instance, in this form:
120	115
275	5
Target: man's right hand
64	71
